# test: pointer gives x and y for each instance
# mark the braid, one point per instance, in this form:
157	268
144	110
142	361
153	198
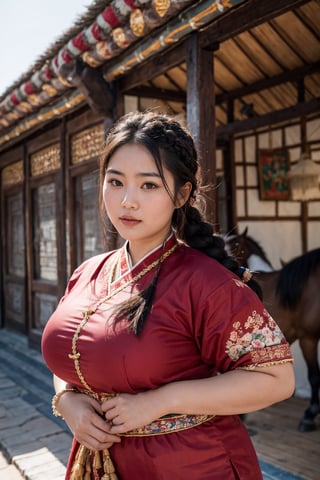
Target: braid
199	234
171	146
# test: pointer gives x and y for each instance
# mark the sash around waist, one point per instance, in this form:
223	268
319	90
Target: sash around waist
167	424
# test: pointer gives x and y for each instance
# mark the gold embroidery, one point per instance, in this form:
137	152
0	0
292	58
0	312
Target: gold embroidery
259	331
271	353
267	364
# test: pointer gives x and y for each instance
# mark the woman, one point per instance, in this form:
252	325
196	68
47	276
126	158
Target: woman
157	347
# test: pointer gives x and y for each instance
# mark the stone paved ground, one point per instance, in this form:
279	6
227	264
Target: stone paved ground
7	470
35	443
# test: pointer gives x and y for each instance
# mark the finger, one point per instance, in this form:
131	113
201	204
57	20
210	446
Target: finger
95	444
102	430
119	429
109	415
94	435
101	424
96	405
116	421
110	403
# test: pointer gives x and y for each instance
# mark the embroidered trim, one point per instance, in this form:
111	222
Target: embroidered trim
266	364
274	353
169	424
259	331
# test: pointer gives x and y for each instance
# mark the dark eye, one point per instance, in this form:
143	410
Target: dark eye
114	182
149	186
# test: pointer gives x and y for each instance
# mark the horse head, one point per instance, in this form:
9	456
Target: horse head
247	251
237	246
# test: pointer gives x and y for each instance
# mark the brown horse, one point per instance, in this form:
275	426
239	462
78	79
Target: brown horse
292	297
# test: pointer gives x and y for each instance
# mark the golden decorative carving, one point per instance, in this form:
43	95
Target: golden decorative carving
119	37
13	174
87	144
49	89
137	22
4	122
25	107
46	160
103	49
13	115
161	6
34	99
87	58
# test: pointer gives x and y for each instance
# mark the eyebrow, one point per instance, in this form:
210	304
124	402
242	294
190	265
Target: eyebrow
141	174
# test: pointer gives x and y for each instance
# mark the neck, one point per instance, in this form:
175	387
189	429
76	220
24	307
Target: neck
139	251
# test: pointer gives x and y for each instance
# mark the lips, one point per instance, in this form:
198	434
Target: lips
129	221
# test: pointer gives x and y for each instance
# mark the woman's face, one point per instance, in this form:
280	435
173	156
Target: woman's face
136	200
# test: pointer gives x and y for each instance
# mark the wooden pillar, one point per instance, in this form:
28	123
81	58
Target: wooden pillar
304	204
62	213
201	115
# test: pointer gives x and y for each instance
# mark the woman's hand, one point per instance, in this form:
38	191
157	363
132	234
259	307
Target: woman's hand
126	412
84	417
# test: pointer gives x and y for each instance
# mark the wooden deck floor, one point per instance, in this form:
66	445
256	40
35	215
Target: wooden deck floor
277	440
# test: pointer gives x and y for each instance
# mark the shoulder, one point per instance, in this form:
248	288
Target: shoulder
204	278
93	262
202	267
89	268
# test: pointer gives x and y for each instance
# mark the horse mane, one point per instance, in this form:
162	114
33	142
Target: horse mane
257	249
293	277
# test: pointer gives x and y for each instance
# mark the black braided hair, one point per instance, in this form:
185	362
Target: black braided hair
172	146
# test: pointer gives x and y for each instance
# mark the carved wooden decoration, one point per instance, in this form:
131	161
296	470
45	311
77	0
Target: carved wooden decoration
87	144
13	174
45	160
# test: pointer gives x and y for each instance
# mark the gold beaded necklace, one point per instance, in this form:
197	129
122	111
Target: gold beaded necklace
86	314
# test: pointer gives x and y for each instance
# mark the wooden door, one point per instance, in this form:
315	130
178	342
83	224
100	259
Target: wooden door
45	256
89	238
45	237
14	266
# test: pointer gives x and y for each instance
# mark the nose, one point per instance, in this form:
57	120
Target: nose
129	199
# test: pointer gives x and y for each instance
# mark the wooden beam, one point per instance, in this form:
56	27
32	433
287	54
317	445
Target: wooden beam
91	84
201	115
296	74
242	18
159	93
277	116
180	96
152	68
235	21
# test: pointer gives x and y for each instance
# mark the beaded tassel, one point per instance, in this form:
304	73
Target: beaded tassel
81	469
97	463
109	471
78	469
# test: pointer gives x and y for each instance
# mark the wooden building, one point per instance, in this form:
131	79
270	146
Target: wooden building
244	76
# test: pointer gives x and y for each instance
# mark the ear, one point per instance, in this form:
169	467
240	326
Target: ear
183	194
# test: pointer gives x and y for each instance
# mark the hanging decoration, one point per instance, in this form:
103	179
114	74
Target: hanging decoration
304	178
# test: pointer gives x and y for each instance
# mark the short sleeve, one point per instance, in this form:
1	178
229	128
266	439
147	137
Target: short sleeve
238	332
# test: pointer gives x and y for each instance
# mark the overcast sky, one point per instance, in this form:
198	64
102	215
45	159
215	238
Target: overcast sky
28	28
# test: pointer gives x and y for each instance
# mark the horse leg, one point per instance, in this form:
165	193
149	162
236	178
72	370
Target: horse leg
309	349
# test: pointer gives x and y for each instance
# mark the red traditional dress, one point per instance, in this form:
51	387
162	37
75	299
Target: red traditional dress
204	321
